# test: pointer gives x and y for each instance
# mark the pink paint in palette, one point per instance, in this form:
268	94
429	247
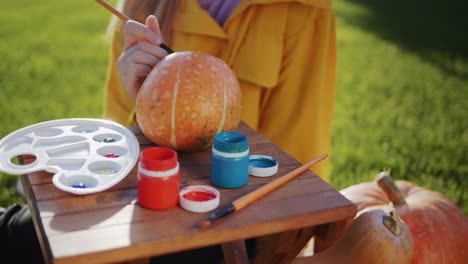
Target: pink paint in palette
86	155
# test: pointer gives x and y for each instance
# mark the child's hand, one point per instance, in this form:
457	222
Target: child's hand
141	53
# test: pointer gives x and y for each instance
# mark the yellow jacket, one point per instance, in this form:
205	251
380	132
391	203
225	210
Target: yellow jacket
284	55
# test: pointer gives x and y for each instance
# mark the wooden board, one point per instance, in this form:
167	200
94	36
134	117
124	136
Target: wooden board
110	226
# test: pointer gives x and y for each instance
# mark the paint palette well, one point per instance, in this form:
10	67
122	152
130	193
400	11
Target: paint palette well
86	155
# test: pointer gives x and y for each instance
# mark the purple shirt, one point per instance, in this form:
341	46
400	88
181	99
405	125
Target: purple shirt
220	10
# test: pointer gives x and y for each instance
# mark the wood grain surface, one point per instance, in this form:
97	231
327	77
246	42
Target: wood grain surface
111	226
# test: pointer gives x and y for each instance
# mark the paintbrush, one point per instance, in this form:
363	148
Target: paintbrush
126	18
258	193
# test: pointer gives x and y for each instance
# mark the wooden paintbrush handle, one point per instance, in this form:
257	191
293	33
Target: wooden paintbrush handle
126	18
260	192
113	10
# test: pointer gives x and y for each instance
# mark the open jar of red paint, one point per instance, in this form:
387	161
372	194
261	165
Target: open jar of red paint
158	178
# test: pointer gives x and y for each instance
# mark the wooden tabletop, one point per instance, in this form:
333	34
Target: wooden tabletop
110	226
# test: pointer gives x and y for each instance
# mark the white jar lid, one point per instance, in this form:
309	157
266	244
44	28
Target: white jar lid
199	198
262	166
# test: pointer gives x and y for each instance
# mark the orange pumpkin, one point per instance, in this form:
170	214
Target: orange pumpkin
186	99
374	236
439	227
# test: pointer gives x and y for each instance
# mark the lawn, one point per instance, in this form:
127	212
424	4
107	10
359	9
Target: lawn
53	66
402	93
402	85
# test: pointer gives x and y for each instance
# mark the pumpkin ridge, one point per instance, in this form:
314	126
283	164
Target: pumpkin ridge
174	103
223	117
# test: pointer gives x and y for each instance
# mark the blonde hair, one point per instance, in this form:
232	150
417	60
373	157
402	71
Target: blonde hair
139	10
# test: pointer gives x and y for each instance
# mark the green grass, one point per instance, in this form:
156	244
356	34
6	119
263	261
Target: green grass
402	93
402	84
53	65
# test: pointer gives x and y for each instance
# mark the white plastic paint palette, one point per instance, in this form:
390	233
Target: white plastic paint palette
86	155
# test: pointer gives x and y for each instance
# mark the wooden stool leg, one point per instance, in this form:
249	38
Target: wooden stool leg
235	252
328	235
282	248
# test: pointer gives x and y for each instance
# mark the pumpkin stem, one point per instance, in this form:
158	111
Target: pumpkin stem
385	181
393	223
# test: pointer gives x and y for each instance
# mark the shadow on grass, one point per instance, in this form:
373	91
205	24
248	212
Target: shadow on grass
434	30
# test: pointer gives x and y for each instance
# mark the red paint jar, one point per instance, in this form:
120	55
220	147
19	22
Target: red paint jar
158	178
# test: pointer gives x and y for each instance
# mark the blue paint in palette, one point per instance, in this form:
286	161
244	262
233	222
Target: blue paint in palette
79	186
106	140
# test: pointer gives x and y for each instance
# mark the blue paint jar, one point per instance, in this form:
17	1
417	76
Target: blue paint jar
230	160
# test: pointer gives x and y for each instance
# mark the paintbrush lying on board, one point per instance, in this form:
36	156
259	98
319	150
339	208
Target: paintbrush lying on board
258	193
126	18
